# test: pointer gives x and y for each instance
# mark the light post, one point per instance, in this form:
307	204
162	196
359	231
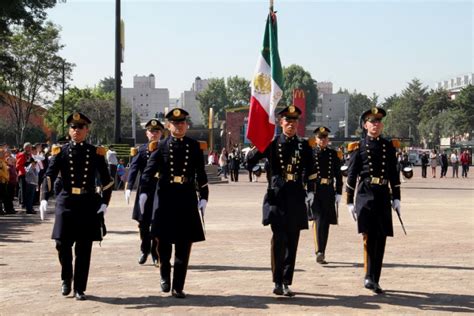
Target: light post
211	127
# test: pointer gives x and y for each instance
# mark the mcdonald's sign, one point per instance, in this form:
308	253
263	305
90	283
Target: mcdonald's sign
299	99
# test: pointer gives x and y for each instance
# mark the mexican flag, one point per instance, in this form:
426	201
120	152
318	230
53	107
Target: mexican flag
266	85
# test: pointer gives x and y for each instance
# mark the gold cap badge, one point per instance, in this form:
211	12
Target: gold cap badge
322	129
291	109
76	116
153	123
375	110
176	112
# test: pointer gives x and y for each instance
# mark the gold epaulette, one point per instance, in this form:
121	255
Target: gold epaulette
101	150
202	145
352	146
55	150
396	143
312	142
340	154
152	146
133	151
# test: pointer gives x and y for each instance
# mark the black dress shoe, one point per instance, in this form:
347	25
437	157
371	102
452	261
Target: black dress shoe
278	289
179	294
80	296
165	286
142	258
369	284
156	262
287	291
377	289
320	258
66	287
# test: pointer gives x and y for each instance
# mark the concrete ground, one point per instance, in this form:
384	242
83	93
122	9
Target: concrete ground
430	270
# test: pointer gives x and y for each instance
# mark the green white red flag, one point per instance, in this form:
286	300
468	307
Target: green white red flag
267	89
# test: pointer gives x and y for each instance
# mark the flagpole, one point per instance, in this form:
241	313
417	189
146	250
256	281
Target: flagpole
271	5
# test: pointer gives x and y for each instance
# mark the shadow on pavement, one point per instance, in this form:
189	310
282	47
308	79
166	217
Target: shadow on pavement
423	301
16	226
394	265
124	232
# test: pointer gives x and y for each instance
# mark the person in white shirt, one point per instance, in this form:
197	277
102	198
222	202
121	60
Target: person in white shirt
455	162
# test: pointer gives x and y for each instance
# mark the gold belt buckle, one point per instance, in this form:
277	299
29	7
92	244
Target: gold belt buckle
375	180
290	177
178	179
324	181
76	190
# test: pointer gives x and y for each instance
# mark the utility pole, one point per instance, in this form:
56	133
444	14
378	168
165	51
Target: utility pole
62	97
118	73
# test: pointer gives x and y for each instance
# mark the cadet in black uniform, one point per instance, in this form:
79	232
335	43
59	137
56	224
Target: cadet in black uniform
373	164
285	205
154	129
79	209
183	194
327	190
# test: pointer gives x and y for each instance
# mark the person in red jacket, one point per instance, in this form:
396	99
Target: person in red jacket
465	161
21	159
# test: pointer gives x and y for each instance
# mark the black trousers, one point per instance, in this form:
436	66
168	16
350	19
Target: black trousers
320	235
182	251
82	250
374	249
234	175
283	251
148	244
423	171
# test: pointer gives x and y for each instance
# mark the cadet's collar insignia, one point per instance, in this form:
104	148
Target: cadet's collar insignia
322	129
374	110
176	113
76	116
291	109
153	123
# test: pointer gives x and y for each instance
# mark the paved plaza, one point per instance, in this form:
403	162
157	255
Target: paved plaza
430	270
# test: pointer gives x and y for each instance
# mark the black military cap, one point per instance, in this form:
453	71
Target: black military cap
78	118
322	131
374	114
154	124
177	115
290	111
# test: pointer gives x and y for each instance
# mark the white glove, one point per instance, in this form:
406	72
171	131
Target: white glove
202	206
141	202
127	196
396	205
43	207
350	208
338	198
309	198
102	209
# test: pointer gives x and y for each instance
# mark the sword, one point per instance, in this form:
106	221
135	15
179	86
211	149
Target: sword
401	222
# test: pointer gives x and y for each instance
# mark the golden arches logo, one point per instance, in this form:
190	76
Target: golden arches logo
298	94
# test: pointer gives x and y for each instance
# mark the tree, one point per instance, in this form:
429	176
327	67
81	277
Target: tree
433	117
107	85
295	77
464	102
215	96
98	106
37	73
25	13
238	91
358	103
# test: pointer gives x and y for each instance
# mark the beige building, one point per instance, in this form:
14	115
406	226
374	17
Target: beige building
189	102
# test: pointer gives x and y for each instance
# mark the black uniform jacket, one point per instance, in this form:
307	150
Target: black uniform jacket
180	164
137	166
374	166
290	160
77	202
327	184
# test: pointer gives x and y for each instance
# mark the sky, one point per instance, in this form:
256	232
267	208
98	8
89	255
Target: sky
367	46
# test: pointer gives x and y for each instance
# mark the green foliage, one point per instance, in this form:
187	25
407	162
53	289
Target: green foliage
98	105
215	96
358	103
37	72
238	91
464	103
107	85
295	77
